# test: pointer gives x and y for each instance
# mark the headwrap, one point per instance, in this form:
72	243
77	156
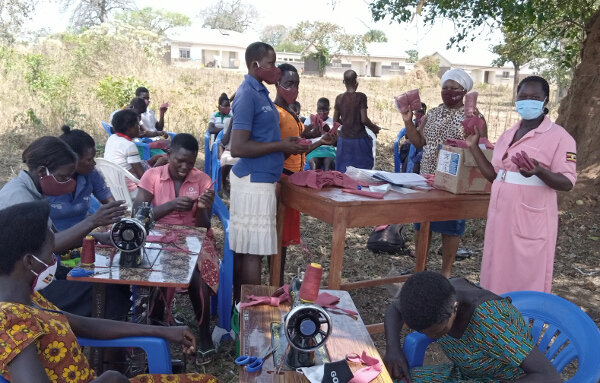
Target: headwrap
460	76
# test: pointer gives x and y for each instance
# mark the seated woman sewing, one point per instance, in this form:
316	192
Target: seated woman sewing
483	335
181	195
38	342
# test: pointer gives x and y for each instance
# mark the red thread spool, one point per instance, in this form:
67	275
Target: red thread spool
309	290
88	252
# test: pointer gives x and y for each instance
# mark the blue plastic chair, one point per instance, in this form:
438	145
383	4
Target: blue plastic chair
140	143
224	297
157	350
216	162
552	317
207	153
411	154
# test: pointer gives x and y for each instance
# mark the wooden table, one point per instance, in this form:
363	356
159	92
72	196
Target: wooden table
347	336
164	265
345	210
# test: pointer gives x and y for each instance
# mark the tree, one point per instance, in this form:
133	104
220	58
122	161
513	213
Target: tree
274	34
567	31
518	50
375	36
322	40
12	15
157	21
88	13
413	55
233	15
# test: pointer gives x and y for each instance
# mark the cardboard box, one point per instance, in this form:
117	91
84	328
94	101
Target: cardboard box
457	172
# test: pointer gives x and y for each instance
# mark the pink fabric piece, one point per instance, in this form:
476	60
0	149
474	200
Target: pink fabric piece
463	144
469	125
165	238
282	295
365	374
160	144
365	193
318	179
522	221
408	101
470	103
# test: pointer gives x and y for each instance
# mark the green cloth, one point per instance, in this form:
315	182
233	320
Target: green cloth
322	151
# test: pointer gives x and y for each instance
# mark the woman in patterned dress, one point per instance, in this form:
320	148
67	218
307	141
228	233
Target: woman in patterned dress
483	335
38	341
442	123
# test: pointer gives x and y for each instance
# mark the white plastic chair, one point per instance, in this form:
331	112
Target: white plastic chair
114	176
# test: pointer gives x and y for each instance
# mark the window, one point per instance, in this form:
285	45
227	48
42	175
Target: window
336	63
184	53
505	74
395	65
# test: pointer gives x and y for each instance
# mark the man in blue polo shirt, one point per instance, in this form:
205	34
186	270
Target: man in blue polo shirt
256	140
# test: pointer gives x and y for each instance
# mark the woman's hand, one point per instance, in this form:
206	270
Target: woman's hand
472	140
290	145
182	203
397	365
407	117
329	139
207	199
181	335
527	166
108	214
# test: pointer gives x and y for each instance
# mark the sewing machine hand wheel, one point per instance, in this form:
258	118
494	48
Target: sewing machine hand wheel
128	234
307	327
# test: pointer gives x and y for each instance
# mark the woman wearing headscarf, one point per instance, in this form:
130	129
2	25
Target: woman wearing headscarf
442	123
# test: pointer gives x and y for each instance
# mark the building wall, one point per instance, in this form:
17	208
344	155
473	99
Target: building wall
207	55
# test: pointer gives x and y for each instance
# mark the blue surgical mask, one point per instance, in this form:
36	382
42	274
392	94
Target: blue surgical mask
530	109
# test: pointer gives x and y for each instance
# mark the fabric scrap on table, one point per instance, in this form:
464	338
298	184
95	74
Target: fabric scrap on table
318	179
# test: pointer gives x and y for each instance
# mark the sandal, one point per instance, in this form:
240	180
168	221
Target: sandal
204	357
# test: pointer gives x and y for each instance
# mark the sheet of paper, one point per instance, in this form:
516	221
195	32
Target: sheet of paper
402	179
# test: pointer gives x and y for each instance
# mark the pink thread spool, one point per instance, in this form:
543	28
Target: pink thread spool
88	252
309	290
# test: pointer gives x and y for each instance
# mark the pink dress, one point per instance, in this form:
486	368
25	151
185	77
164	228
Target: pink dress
522	222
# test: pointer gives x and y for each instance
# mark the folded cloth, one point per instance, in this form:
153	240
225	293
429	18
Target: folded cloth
463	144
471	123
470	103
365	193
318	179
161	144
166	238
408	101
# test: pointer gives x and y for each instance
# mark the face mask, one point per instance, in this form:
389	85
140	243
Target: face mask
289	95
50	186
45	277
328	373
530	109
225	110
268	75
452	97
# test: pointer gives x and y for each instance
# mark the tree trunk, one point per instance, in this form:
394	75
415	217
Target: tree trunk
579	111
103	11
516	80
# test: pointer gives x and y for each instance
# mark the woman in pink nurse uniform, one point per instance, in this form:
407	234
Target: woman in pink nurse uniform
531	161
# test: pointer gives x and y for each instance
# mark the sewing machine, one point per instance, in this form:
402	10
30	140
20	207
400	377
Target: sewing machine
307	327
129	236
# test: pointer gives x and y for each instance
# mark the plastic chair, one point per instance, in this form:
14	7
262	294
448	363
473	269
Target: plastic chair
207	153
115	179
157	350
411	154
554	318
216	163
225	290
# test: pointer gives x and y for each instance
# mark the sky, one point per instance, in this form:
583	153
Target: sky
353	15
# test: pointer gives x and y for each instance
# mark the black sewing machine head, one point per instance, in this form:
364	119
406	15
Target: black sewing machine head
307	327
129	235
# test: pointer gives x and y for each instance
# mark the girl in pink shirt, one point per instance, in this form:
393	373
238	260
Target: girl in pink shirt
531	161
181	195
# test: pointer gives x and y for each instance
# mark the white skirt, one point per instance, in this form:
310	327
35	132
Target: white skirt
252	217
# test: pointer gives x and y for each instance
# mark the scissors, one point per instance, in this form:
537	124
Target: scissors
253	363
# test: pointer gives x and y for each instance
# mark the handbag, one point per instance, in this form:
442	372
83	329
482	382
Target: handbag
387	239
